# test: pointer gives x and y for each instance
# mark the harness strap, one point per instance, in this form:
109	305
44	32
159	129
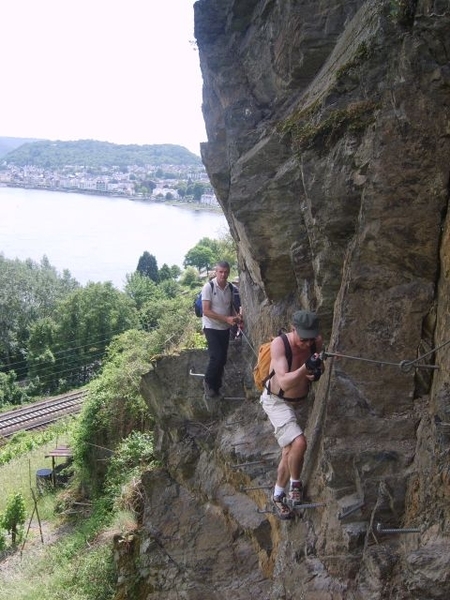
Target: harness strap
295	399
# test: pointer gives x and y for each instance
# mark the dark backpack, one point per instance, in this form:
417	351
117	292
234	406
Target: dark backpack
197	304
236	300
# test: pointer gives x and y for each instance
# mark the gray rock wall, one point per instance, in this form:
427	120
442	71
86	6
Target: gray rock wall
328	147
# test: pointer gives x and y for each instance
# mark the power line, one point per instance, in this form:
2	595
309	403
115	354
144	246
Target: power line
71	349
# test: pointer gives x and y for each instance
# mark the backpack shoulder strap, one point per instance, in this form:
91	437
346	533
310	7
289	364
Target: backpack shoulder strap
234	294
288	352
287	349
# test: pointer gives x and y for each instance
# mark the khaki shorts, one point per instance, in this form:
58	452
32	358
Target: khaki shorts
283	417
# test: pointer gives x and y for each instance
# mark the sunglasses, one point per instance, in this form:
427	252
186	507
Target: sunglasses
307	339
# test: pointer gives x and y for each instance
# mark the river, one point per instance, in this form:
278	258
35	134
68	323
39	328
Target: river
99	238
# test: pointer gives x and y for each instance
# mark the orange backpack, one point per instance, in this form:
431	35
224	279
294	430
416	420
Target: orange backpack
261	372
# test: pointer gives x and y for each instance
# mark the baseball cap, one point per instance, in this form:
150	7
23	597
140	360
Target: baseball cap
306	324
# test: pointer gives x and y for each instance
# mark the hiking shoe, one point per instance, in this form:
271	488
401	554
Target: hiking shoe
209	392
282	510
296	492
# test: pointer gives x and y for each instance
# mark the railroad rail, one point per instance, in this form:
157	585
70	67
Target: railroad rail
40	414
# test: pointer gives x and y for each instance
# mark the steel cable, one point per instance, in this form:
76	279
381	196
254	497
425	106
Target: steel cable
404	365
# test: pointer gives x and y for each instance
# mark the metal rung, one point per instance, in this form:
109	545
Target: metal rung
306	505
256	487
350	510
236	422
295	507
381	529
247	464
196	374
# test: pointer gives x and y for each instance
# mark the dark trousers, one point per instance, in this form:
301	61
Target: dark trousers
217	340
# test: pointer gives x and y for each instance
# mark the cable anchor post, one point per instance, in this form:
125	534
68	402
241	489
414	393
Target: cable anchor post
394	530
408	365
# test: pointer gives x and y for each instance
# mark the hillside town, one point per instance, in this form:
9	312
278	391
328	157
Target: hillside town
162	183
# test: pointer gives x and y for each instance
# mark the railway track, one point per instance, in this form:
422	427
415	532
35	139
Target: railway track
40	414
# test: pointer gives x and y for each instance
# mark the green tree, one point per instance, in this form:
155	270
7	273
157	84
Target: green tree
211	243
164	273
199	256
28	291
177	326
223	248
148	266
190	277
181	191
10	392
42	362
148	186
226	250
175	271
13	519
69	351
150	298
88	320
196	190
141	289
170	288
152	311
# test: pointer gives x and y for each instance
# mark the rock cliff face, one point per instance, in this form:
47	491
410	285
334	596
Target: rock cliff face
328	146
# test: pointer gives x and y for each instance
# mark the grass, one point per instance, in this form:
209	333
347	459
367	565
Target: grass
75	567
19	476
74	562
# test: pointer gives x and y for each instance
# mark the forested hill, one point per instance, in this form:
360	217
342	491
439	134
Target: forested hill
91	153
8	144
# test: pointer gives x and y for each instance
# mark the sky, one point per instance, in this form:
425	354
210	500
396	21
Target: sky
121	71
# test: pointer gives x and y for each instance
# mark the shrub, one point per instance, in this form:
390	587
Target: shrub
13	519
